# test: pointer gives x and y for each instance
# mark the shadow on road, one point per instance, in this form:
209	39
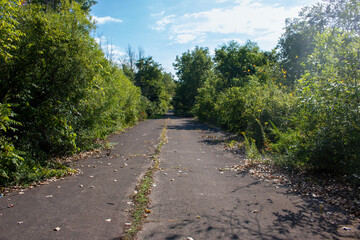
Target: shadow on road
252	218
228	224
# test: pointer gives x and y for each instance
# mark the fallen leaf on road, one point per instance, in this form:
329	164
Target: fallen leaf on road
147	211
11	205
198	217
57	229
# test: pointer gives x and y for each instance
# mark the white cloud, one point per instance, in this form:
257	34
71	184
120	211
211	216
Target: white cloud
253	19
111	51
184	38
107	19
161	24
160	14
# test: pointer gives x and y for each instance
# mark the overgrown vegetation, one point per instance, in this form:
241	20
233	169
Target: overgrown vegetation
141	196
299	103
59	93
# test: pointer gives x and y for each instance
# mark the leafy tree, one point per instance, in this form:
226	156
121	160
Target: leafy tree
9	33
325	132
148	78
234	63
297	42
154	85
192	68
62	90
55	4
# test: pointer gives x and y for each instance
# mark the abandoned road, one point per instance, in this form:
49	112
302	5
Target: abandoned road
190	199
193	199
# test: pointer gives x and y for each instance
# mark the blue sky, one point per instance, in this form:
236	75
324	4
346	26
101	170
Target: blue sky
166	28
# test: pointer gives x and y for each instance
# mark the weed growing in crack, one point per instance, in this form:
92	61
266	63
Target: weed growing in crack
143	189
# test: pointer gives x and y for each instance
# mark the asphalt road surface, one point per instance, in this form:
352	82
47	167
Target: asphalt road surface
194	200
80	205
191	198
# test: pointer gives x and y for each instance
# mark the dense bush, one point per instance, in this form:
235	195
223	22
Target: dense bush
58	90
303	107
325	135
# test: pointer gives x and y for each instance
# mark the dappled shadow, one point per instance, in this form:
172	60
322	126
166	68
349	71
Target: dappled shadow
236	223
301	220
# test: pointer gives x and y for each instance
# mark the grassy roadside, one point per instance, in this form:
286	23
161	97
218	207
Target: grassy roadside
140	197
